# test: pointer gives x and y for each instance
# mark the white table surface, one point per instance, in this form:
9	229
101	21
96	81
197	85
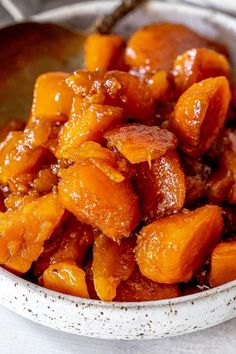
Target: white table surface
21	336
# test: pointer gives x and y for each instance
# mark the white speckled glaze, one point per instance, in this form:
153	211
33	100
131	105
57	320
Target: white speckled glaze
153	319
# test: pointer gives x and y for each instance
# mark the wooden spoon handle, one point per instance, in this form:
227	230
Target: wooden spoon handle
105	23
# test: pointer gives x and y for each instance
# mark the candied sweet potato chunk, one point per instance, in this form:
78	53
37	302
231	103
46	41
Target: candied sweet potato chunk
114	88
76	238
155	47
16	157
49	248
159	85
112	263
139	288
200	114
85	125
97	200
160	186
24	231
139	142
65	278
37	132
101	157
171	249
223	265
52	97
196	65
104	52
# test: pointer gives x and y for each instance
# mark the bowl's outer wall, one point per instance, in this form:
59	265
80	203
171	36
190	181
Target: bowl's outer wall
93	318
137	320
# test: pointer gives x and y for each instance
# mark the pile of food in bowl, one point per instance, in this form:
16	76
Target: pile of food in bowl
122	184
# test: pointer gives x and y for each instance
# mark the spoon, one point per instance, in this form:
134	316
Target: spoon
28	49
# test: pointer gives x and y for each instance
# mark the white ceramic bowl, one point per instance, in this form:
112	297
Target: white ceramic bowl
226	5
152	319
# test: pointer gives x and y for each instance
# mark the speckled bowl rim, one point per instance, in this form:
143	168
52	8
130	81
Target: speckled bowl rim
14	279
84	8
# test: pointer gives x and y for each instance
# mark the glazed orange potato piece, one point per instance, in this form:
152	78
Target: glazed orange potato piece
16	157
155	47
112	263
76	238
101	157
159	85
52	97
171	249
139	288
160	186
114	88
104	52
139	142
24	231
196	65
97	200
223	266
86	125
122	184
200	115
67	278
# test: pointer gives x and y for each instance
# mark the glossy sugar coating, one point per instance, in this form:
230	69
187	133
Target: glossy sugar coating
97	200
160	186
171	249
67	278
223	266
156	46
24	231
112	263
104	52
200	114
114	88
196	65
139	142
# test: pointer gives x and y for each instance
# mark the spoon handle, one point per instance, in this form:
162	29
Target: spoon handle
105	23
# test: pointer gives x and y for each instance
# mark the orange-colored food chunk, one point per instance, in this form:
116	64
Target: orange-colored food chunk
49	248
223	265
171	249
104	52
85	125
18	200
140	143
112	263
198	64
101	157
155	47
16	157
97	200
76	238
114	88
37	132
52	97
159	85
140	288
160	186
24	231
200	115
45	181
67	278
